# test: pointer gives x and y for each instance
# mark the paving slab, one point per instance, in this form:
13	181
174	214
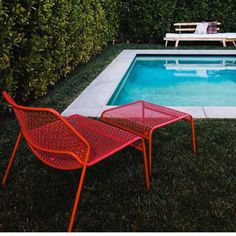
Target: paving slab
220	112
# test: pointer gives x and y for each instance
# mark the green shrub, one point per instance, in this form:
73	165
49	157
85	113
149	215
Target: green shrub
11	40
42	41
146	21
206	10
149	20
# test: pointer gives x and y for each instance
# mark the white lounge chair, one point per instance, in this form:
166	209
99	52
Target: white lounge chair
191	27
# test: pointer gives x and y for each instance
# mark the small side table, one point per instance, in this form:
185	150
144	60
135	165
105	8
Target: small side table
142	118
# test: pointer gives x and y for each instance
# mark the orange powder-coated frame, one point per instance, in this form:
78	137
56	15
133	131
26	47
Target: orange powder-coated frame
143	118
84	142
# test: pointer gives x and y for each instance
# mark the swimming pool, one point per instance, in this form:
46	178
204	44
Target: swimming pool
98	95
179	81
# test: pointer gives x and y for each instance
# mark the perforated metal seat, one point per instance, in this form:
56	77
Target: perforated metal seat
143	118
104	141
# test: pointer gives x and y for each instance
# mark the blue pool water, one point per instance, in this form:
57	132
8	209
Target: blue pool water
179	81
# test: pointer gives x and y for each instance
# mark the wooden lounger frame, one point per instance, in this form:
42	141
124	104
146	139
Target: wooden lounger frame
190	28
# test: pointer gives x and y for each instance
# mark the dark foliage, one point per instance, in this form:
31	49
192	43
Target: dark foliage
42	41
149	20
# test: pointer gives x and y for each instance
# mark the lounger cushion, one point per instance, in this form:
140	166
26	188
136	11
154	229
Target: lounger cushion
231	35
201	36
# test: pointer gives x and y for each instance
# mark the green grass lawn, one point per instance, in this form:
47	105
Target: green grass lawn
188	192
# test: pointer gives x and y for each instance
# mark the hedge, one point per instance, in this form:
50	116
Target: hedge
149	20
145	21
42	41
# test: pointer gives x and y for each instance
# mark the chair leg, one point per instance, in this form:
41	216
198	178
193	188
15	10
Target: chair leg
176	43
77	197
146	166
166	43
224	43
11	158
150	155
193	136
234	43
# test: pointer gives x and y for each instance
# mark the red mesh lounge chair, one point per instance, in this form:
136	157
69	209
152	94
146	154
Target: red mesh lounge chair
70	143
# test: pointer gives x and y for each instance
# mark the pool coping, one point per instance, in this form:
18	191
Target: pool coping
93	100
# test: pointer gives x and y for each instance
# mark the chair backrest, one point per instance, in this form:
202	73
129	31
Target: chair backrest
46	131
189	27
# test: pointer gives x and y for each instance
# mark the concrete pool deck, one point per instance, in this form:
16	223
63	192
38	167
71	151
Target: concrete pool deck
93	100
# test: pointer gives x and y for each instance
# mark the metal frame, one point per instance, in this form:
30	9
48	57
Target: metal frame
116	117
80	163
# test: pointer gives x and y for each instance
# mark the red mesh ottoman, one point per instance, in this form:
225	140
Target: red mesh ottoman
142	118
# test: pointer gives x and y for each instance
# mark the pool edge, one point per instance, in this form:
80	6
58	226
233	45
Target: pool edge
93	100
